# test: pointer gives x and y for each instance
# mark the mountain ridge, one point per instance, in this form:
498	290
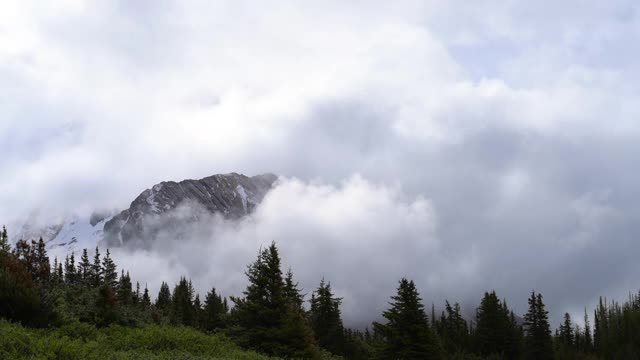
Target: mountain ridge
231	195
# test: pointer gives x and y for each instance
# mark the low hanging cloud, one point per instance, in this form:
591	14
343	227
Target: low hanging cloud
361	236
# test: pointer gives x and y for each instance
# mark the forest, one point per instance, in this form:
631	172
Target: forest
88	308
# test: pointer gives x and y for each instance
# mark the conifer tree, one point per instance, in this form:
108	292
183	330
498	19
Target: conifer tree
495	332
25	253
124	292
566	331
106	304
70	270
455	334
407	334
110	275
213	312
5	247
326	321
96	269
84	268
60	273
588	339
515	334
146	300
42	267
567	339
197	312
136	295
598	330
182	311
54	273
538	343
163	301
265	319
291	290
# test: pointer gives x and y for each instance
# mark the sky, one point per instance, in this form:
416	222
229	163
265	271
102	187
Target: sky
467	145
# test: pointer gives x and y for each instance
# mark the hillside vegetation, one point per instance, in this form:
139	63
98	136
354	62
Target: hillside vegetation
87	310
86	342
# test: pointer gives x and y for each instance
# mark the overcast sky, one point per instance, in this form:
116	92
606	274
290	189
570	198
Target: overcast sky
469	145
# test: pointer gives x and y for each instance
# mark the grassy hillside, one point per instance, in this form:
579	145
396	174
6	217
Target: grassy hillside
85	342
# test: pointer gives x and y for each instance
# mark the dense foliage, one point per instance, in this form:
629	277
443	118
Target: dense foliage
79	341
89	309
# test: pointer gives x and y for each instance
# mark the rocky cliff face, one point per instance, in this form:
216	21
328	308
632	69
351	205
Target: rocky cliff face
230	195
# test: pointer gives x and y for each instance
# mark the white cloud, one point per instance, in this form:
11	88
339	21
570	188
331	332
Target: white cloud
501	113
360	236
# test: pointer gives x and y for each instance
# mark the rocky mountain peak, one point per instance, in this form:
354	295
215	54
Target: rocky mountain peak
230	195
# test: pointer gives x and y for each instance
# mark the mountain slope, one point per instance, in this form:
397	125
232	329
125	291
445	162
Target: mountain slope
230	195
64	235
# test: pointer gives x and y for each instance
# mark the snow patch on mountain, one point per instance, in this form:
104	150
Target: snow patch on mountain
78	234
69	235
243	196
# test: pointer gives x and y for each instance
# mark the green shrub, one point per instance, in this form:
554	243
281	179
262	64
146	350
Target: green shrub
83	341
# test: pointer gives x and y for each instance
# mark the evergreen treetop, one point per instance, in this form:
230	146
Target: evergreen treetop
406	334
539	345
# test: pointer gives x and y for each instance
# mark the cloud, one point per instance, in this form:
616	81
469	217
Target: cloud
516	120
360	236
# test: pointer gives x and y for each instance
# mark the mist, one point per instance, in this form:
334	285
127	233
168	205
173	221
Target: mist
467	146
360	235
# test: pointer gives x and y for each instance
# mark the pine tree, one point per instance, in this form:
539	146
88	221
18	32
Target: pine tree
22	252
515	334
33	256
54	272
146	300
182	311
213	312
5	247
163	301
106	304
588	339
197	311
495	332
567	339
291	290
265	319
60	273
110	275
566	331
136	295
455	334
124	292
96	269
325	319
70	270
84	268
407	334
538	343
42	267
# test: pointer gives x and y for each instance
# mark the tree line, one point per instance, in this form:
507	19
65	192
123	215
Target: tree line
271	315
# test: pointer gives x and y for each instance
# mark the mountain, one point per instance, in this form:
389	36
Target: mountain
66	234
230	195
